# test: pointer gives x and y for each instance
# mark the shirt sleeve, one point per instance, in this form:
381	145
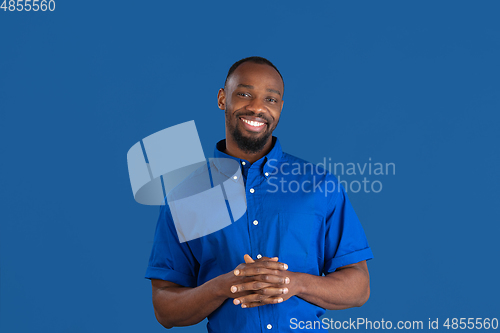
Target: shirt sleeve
171	260
345	241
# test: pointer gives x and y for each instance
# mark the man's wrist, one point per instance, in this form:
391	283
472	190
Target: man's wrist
218	287
300	283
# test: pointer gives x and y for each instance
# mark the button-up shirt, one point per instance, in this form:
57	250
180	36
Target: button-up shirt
295	211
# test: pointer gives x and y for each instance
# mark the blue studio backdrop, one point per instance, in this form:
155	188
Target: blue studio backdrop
413	85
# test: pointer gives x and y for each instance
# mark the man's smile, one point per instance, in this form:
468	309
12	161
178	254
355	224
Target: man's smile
253	124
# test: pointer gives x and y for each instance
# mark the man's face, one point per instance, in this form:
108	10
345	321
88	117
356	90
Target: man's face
252	100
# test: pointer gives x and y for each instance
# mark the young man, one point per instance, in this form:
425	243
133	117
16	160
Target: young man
265	270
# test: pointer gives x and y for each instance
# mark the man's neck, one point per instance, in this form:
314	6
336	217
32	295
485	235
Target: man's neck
232	149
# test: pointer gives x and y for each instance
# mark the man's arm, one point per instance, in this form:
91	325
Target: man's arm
176	305
347	287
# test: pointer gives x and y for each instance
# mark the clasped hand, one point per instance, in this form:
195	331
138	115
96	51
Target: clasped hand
264	281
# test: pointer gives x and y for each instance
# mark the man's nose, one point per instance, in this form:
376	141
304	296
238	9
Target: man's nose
256	105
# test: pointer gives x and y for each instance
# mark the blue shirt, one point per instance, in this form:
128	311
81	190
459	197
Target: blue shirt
295	211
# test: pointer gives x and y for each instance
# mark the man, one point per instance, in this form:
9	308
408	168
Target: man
266	269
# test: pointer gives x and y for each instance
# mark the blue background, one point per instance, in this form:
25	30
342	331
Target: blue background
415	83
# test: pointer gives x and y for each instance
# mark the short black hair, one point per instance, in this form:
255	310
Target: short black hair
255	60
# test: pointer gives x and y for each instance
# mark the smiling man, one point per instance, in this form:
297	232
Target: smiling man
250	122
292	255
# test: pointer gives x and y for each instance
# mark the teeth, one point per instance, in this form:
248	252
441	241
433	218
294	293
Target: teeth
252	123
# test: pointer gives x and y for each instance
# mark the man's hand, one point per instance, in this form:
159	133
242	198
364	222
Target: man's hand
268	282
265	281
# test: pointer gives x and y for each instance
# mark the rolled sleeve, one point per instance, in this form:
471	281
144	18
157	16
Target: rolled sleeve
345	241
351	258
171	260
170	275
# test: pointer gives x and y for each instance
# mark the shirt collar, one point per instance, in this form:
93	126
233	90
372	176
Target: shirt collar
263	163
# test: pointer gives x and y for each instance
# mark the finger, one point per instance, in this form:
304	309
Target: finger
255	270
273	291
240	267
271	278
268	259
254	285
248	259
250	302
272	265
267	301
258	267
250	298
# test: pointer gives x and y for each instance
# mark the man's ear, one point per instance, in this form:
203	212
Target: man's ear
221	99
282	101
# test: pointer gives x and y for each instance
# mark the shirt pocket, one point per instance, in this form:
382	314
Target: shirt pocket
301	241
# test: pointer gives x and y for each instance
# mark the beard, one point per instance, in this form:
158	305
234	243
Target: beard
247	144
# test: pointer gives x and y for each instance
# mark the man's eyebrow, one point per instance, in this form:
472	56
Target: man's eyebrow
274	91
251	87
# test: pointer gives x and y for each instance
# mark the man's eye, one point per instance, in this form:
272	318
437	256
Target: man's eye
243	94
272	100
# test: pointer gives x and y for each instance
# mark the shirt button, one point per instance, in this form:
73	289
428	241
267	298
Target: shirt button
269	326
235	177
252	190
258	257
243	162
267	174
255	222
